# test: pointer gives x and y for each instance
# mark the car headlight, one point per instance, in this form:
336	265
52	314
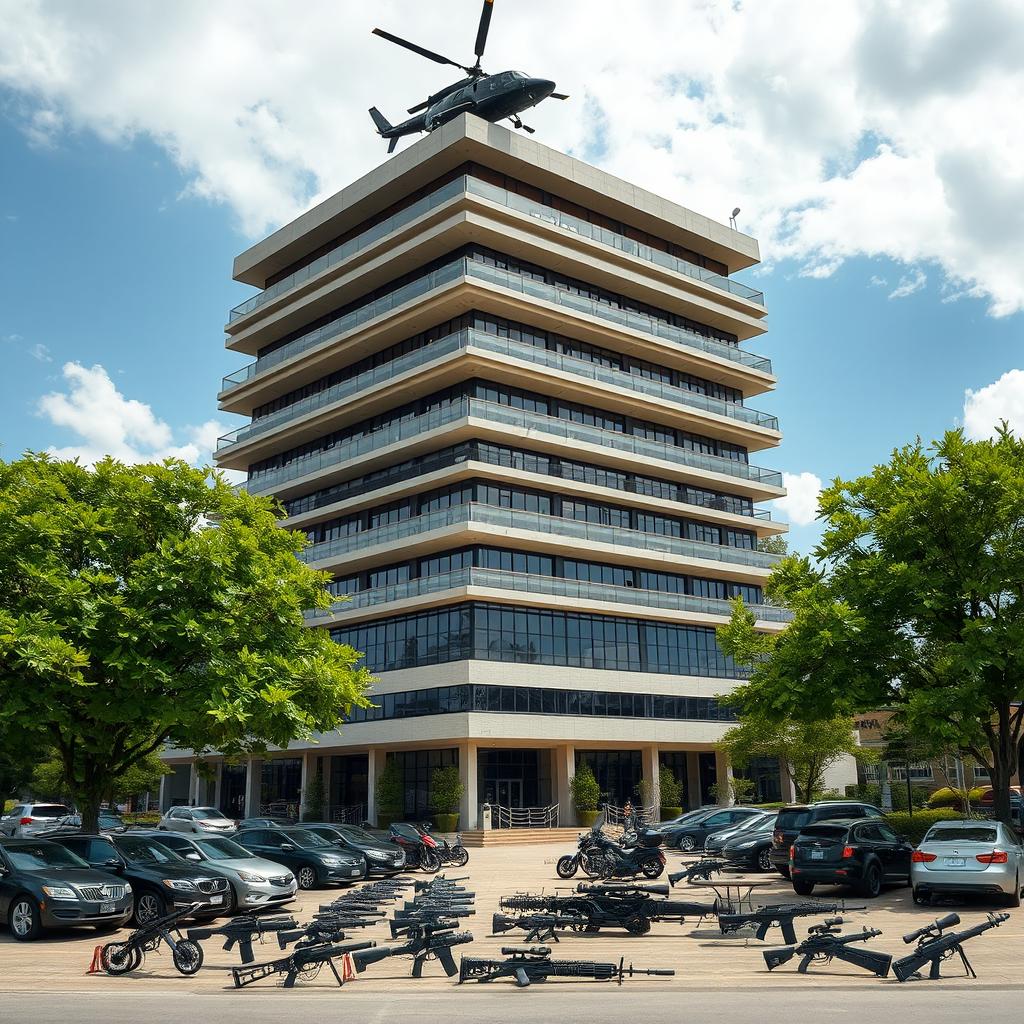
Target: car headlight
179	883
333	862
60	892
250	876
374	855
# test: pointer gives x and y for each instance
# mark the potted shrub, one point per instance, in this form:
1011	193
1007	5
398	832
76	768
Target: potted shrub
586	795
671	795
390	792
315	797
446	792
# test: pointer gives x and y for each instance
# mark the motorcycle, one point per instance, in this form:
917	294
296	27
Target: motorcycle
421	849
450	853
587	846
603	857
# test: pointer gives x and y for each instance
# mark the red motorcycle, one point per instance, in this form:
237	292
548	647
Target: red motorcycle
421	850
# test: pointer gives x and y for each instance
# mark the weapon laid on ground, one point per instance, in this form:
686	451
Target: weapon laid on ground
621	889
320	931
538	927
420	913
242	930
414	926
701	871
439	882
124	957
781	914
306	962
824	942
428	943
534	963
935	944
344	909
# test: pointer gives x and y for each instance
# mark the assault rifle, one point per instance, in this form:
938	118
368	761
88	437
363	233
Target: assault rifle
538	927
414	926
302	961
781	914
428	943
935	944
824	942
422	911
534	963
622	889
242	930
319	931
439	882
701	871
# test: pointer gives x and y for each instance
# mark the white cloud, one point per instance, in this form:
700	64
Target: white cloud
987	407
41	352
110	424
881	128
800	505
909	284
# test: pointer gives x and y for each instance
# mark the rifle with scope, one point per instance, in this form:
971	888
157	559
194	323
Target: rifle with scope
701	871
824	942
538	927
534	963
320	931
306	962
781	914
242	931
935	944
429	942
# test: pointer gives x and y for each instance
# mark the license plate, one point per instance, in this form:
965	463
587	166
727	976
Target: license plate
817	854
955	862
355	872
106	908
216	900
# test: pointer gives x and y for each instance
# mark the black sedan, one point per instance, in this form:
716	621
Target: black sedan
690	835
44	885
382	857
313	860
162	880
862	854
751	851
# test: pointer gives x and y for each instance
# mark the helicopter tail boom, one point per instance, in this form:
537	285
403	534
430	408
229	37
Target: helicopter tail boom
384	126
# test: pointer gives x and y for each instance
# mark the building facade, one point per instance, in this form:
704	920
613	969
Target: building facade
505	395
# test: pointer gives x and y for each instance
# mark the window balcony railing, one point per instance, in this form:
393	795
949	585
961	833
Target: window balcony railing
465	267
403	430
474	186
534	522
576	590
503	346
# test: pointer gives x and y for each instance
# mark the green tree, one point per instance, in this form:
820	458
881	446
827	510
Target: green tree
146	606
390	789
915	604
315	798
446	790
586	793
48	779
669	788
805	748
775	545
16	761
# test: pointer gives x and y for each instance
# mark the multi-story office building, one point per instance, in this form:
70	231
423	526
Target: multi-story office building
506	396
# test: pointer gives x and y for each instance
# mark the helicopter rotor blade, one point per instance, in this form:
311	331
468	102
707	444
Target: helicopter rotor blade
418	107
559	96
481	32
421	50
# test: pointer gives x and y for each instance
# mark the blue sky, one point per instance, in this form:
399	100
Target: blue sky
116	246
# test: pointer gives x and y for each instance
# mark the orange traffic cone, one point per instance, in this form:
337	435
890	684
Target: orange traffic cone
96	967
348	968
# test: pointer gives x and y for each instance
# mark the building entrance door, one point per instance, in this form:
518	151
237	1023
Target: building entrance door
510	792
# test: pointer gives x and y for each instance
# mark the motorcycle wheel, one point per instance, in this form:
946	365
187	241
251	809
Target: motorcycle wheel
461	857
652	868
120	958
187	957
566	867
429	861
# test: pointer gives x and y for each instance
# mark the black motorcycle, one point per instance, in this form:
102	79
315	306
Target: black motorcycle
603	857
421	849
587	846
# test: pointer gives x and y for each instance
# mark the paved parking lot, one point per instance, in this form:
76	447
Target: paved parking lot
701	957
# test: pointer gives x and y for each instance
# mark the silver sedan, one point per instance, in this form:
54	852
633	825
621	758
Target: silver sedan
197	820
983	857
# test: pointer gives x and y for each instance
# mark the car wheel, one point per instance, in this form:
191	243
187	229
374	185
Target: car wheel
230	900
148	907
306	877
802	888
920	898
764	860
871	886
687	843
784	871
1013	898
25	919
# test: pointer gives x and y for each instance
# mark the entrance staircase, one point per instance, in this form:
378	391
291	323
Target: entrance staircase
519	836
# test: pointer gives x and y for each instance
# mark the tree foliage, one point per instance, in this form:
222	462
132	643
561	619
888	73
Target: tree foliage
390	789
49	780
586	793
916	604
446	789
146	606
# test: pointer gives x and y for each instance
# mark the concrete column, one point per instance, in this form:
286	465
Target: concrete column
308	767
193	783
375	761
693	779
563	768
723	777
788	786
217	780
253	786
162	805
469	805
651	773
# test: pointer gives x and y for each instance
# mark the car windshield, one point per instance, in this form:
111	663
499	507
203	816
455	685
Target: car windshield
754	822
408	831
109	819
303	837
977	834
360	835
205	813
146	851
792	821
50	811
824	831
222	849
39	856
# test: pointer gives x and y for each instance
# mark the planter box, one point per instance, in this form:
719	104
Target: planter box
587	818
446	822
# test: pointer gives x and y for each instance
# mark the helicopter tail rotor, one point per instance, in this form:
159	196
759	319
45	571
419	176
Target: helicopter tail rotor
383	127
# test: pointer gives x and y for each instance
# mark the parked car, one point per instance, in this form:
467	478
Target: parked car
714	842
162	881
312	859
795	817
198	820
44	885
863	854
31	819
686	816
109	822
253	881
382	857
968	857
268	821
690	835
751	851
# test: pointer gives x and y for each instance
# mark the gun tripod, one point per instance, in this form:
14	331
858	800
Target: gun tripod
936	968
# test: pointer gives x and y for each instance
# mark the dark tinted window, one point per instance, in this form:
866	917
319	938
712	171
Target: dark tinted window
869	834
42	855
977	834
845	811
791	821
824	831
50	811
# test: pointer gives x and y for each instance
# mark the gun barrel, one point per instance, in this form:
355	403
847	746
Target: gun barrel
941	924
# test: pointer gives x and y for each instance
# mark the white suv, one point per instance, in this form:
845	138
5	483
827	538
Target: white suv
202	821
30	819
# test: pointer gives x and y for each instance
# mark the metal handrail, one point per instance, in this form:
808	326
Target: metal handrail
524	817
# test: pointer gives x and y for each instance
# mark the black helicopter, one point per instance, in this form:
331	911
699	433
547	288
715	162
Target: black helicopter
492	97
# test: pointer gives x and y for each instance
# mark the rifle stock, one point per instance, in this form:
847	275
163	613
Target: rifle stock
866	959
777	957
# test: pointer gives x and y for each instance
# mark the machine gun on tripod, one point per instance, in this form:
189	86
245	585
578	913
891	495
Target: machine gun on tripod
534	963
824	942
539	927
935	944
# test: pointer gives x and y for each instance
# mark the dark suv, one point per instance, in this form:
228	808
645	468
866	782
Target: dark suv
795	817
864	854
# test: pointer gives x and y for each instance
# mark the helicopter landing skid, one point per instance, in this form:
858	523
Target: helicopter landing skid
517	123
